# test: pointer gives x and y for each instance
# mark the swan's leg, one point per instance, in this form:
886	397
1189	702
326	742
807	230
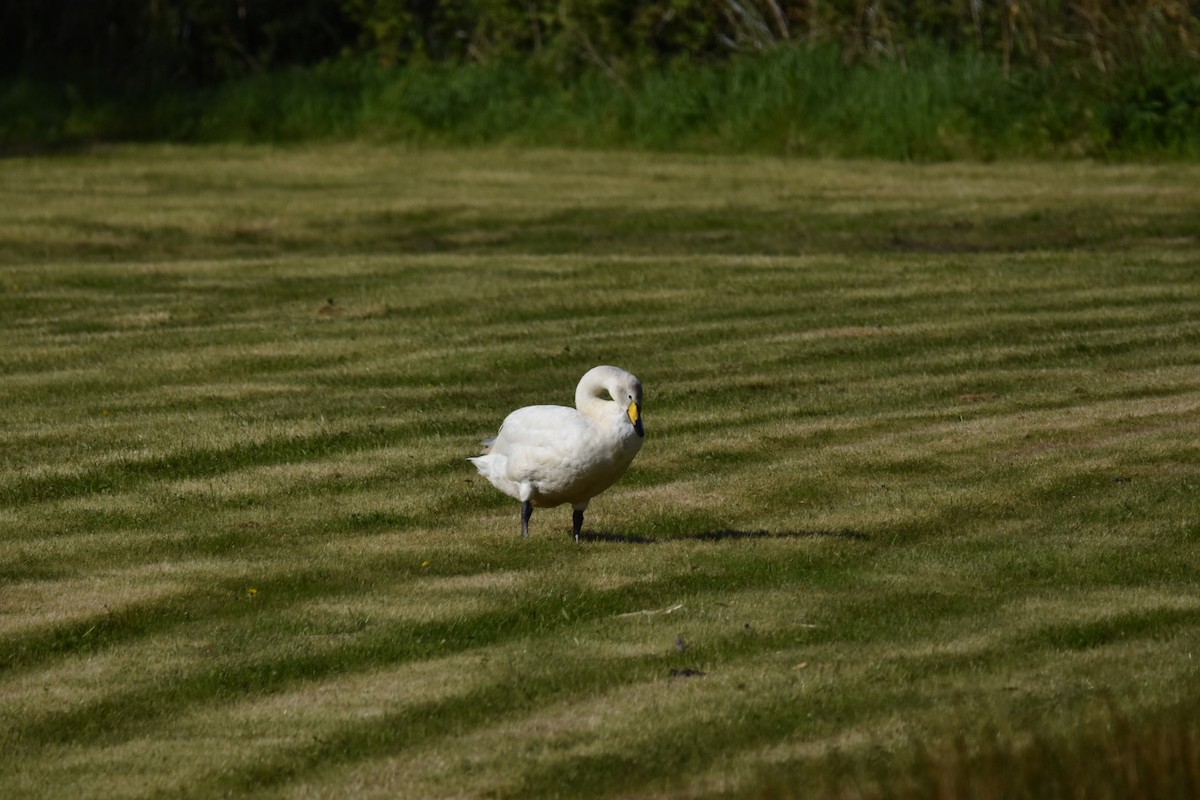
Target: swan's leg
526	513
577	522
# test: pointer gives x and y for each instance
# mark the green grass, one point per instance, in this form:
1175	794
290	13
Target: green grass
919	492
933	104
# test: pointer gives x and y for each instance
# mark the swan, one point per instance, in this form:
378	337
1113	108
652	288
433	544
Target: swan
545	456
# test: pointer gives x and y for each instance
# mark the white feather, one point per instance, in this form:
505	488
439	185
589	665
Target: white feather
550	455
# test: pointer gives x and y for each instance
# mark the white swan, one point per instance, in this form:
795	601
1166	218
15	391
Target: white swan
545	456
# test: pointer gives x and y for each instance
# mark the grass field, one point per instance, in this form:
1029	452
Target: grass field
917	510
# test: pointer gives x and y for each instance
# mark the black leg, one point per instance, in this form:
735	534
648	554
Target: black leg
577	522
526	513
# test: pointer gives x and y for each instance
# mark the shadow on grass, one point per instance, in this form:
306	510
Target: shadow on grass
722	535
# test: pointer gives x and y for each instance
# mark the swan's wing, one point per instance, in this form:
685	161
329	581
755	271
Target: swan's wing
544	443
541	428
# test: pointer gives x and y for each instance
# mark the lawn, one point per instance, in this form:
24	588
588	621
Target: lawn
919	502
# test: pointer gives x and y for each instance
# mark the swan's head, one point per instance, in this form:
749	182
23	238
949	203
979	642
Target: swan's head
613	384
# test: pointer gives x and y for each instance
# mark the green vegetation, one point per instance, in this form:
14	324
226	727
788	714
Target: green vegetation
917	508
928	80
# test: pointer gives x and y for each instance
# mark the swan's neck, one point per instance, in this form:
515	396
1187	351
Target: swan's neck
593	401
595	408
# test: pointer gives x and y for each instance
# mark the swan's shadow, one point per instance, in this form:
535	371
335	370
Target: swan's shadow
718	536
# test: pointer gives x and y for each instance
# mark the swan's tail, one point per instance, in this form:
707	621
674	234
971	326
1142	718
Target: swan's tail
489	464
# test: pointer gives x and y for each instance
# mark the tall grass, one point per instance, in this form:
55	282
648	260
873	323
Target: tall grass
794	101
1154	755
920	476
787	101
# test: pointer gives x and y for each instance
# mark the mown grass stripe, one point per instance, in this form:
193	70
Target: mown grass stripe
126	713
421	726
124	475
